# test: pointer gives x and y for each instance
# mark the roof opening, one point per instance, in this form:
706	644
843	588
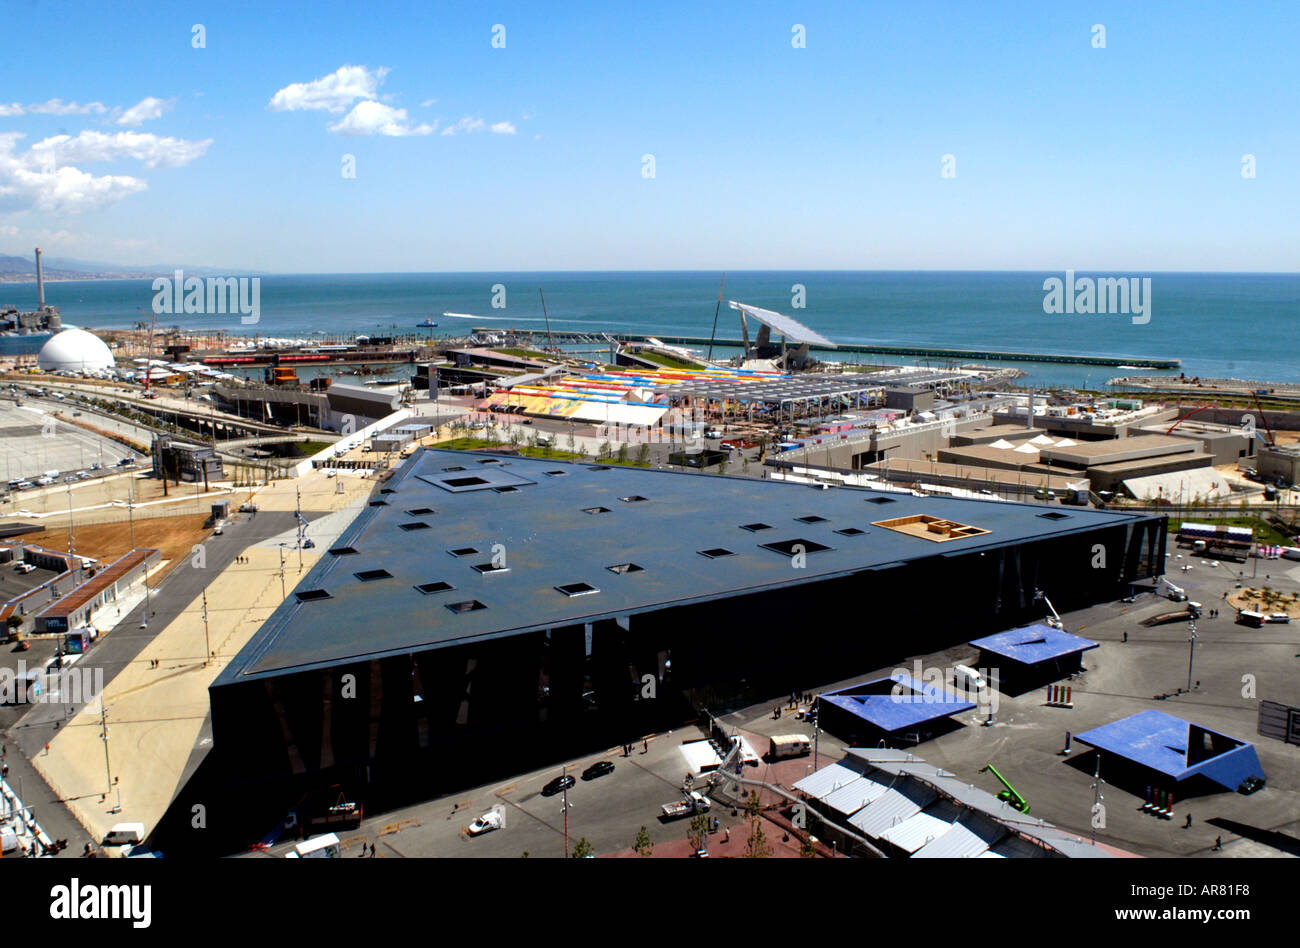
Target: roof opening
1054	515
379	503
880	500
486	568
795	547
311	595
421	511
489	461
755	527
595	510
633	499
370	575
625	568
811	518
343	551
577	589
456	468
470	605
850	532
716	552
387	490
430	588
556	473
464	481
597	467
506	490
414	525
463	551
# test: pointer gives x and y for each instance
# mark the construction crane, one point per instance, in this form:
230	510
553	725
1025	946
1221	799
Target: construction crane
1055	621
1010	796
1271	442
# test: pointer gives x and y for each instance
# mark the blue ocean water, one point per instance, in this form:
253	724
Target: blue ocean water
1222	325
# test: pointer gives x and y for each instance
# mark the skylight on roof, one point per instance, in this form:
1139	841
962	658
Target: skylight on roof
470	605
311	595
795	547
430	588
625	568
414	525
880	500
577	589
463	551
812	518
485	568
755	527
716	553
595	510
370	575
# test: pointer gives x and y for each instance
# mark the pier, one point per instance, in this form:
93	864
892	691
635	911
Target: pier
540	335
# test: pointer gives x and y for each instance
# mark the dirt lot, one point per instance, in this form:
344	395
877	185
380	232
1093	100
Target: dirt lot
174	536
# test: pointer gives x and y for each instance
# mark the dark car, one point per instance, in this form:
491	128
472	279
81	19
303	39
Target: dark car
558	785
598	769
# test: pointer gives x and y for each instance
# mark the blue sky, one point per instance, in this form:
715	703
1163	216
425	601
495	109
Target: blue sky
1125	158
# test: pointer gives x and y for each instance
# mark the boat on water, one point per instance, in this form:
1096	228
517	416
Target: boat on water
427	324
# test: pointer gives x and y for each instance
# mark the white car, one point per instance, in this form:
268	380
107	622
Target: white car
24	568
486	823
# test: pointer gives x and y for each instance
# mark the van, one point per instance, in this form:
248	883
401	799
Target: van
783	746
545	440
123	834
968	679
325	846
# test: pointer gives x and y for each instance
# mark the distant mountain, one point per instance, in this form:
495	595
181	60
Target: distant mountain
14	269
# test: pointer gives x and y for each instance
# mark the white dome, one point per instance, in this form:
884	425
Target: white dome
74	350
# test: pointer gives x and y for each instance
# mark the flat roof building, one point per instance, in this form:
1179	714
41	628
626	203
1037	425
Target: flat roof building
481	598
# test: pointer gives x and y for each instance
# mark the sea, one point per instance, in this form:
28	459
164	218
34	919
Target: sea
1220	325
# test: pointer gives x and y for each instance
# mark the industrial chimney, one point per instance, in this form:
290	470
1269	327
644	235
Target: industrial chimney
1029	412
40	282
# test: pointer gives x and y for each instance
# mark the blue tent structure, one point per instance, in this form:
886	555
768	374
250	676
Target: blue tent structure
1031	656
1176	753
896	707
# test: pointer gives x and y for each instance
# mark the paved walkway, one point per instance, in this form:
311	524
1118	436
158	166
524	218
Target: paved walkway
156	715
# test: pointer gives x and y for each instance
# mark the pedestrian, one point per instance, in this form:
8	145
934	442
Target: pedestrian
1189	821
1125	636
372	850
1218	843
645	745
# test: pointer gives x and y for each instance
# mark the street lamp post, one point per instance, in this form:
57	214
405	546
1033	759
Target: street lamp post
1191	654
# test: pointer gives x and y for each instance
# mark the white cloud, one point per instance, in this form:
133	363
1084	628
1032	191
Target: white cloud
427	102
466	124
145	110
44	178
375	118
59	107
12	109
332	93
153	150
503	128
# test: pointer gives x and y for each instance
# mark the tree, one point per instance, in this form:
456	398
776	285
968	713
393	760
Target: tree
722	465
622	453
806	848
582	849
642	845
756	846
643	455
699	829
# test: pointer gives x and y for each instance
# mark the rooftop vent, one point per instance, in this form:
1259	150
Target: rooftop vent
506	490
1054	515
486	568
633	499
387	490
430	588
370	575
464	481
379	503
625	568
812	518
850	532
414	525
421	511
470	605
880	500
489	461
595	510
456	468
577	589
755	527
794	547
597	467
343	551
463	551
716	553
556	473
311	595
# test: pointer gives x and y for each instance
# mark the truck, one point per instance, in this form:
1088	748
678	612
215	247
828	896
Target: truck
122	834
693	802
1175	593
783	746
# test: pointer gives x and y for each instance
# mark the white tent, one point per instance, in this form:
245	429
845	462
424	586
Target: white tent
1001	443
1026	448
1041	439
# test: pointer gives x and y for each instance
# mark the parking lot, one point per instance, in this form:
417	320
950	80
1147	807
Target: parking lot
33	441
